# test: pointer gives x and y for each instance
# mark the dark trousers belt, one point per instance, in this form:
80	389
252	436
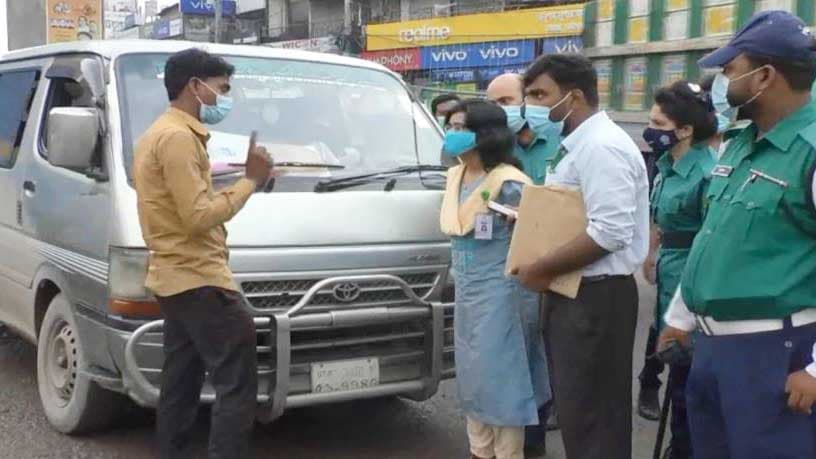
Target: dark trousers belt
677	239
603	277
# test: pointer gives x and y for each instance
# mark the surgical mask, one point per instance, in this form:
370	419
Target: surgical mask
214	114
538	117
458	142
723	122
719	93
514	119
660	140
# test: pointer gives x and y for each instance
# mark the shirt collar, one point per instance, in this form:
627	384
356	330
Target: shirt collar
684	166
783	134
185	119
582	131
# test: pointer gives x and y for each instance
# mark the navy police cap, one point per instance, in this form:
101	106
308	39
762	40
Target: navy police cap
770	34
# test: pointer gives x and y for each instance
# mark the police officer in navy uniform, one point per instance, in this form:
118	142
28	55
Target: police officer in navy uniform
749	286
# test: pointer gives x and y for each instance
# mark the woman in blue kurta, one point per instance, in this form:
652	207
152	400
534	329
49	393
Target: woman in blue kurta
500	360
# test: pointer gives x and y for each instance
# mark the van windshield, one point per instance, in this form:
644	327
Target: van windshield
305	112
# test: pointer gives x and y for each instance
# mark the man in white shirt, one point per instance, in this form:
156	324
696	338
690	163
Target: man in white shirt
592	337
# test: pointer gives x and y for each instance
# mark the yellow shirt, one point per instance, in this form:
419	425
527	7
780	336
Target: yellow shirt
182	218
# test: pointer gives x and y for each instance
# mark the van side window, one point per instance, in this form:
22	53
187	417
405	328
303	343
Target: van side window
17	92
62	93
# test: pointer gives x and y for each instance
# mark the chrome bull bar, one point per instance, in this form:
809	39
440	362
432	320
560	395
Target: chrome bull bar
276	398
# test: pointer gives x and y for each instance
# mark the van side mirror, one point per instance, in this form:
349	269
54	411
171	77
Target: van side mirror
73	133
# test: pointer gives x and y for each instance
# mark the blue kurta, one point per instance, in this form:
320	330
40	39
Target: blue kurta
501	366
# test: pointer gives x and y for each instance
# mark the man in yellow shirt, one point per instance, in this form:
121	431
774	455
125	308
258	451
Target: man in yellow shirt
207	325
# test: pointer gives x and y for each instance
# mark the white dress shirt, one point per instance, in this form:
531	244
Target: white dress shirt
606	166
679	316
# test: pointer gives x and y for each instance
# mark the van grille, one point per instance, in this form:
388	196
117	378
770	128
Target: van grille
279	294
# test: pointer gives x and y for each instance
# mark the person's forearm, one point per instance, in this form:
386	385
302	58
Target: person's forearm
576	254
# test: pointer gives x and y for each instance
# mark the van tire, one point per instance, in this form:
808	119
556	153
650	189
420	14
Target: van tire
73	403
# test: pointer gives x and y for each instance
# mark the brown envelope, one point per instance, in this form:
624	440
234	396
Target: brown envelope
549	217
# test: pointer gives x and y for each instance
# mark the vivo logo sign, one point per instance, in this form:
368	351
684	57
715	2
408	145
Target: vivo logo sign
478	55
207	7
563	45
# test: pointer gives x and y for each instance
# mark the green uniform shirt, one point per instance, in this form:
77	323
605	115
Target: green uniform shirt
535	156
677	205
755	256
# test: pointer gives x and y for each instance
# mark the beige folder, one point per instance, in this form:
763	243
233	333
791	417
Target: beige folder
549	217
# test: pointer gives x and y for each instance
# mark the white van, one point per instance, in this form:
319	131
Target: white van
343	265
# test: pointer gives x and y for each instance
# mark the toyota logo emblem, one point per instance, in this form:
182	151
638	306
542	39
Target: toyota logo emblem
347	292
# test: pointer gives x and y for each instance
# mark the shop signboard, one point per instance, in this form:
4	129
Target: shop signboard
207	7
478	55
562	45
556	21
398	60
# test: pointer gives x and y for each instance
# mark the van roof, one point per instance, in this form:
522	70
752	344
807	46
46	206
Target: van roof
114	48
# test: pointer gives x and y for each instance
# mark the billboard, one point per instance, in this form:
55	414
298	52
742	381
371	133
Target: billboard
562	45
116	22
70	20
478	55
207	7
397	60
557	21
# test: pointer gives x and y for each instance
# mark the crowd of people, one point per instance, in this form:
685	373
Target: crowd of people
725	229
727	233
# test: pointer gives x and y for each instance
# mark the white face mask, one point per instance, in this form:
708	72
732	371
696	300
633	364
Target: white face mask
719	93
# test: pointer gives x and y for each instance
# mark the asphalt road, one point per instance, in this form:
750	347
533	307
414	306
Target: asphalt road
383	429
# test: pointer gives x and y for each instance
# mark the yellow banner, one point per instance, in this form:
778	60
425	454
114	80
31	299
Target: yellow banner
718	20
606	10
558	21
70	20
638	29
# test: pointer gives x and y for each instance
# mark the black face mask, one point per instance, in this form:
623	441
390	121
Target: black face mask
660	140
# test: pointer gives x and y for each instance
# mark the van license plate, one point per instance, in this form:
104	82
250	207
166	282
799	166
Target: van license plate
345	375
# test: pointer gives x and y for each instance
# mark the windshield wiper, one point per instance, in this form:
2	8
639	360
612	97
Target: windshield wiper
362	179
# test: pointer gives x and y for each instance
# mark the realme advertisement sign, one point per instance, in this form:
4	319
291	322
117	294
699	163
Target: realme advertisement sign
557	21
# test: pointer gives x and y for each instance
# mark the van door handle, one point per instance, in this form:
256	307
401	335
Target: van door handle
29	187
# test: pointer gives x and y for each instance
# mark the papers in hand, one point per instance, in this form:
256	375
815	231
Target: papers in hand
502	209
548	218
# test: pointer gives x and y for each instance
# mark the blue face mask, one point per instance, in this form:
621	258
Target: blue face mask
719	93
214	114
458	142
514	119
538	117
723	122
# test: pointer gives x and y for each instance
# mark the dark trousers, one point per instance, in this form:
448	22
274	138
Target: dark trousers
681	436
591	341
207	329
737	406
652	366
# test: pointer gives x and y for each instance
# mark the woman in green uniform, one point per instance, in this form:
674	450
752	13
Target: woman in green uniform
681	122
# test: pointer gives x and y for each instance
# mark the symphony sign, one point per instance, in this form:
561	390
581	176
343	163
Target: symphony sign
557	21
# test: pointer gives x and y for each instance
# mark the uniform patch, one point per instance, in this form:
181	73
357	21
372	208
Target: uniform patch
722	171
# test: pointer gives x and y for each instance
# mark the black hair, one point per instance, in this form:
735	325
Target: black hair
441	99
494	140
191	63
799	74
707	82
687	106
569	71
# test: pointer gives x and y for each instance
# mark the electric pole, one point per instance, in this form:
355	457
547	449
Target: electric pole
218	16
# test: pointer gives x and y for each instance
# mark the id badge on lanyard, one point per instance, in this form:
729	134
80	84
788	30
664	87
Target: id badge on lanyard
484	227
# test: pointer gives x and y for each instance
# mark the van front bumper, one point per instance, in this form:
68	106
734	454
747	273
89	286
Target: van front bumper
413	343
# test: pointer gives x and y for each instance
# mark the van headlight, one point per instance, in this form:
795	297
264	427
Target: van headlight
127	271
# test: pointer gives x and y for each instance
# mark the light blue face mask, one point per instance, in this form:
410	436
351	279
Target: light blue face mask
458	142
214	114
514	119
538	117
723	122
719	93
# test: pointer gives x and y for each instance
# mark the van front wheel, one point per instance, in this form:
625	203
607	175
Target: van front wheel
73	403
